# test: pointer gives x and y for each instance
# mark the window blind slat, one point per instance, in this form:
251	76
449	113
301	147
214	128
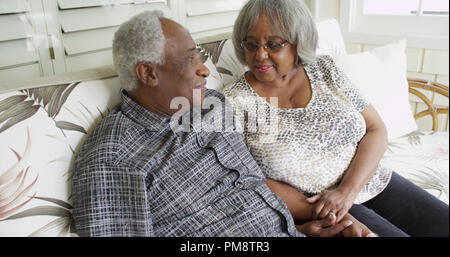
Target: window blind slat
101	17
203	23
200	7
14	6
20	73
87	61
70	4
14	26
86	41
17	52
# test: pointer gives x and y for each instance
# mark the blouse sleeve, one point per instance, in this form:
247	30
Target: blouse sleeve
341	84
235	98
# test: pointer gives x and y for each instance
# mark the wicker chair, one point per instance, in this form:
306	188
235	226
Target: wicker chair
432	110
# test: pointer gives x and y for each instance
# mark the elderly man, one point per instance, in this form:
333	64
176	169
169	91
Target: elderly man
136	176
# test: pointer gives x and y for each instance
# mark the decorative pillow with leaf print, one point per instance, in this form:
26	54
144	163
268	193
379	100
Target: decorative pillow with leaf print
220	58
40	130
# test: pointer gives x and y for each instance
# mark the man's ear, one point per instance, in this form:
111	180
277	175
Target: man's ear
146	73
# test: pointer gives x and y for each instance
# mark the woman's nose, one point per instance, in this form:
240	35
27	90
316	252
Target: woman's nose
261	53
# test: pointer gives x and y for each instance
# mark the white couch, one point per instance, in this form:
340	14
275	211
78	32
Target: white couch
44	122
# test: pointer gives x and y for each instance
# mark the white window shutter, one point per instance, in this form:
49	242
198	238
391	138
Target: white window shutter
212	17
87	28
22	40
45	37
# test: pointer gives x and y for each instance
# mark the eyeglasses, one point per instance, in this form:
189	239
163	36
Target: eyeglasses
270	46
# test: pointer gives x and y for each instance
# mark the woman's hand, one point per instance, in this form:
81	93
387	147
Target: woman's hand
326	227
337	202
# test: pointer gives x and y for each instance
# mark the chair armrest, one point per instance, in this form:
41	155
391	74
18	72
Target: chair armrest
432	86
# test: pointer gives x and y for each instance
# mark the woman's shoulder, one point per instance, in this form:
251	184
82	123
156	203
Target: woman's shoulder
323	62
325	68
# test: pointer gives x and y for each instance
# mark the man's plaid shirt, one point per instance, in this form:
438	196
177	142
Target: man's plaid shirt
134	176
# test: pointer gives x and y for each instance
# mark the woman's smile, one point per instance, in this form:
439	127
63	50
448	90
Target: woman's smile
263	68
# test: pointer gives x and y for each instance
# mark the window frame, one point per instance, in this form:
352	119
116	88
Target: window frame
420	31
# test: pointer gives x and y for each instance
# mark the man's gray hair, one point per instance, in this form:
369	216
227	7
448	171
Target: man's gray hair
139	39
291	18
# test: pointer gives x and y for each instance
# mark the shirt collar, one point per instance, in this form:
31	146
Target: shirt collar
150	120
154	122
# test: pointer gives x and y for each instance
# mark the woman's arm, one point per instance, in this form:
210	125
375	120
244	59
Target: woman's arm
368	154
296	202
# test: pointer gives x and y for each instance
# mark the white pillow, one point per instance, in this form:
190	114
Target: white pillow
380	75
331	41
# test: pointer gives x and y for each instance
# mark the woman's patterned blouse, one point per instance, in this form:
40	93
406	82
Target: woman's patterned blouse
308	148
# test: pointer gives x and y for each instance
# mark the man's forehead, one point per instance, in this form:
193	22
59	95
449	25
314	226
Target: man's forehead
172	29
180	48
177	34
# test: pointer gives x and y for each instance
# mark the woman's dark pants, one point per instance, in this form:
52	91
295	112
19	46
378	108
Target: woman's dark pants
404	209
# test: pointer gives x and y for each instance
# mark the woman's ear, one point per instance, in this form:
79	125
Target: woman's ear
298	61
146	73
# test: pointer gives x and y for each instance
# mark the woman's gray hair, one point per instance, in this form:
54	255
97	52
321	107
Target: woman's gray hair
139	39
291	17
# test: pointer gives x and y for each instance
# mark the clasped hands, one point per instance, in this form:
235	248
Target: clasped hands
331	218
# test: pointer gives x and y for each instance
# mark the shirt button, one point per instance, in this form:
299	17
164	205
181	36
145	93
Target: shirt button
239	184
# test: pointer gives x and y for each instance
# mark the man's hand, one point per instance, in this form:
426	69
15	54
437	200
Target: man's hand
357	229
324	228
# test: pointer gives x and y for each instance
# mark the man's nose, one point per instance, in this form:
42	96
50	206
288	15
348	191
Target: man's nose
203	70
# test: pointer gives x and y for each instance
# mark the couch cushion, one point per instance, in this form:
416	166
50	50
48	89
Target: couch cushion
421	157
40	129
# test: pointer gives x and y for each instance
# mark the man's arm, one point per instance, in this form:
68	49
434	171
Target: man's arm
110	200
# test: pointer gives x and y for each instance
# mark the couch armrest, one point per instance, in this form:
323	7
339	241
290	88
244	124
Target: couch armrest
432	86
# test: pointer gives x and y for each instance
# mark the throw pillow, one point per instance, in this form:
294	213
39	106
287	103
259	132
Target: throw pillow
331	41
40	130
380	75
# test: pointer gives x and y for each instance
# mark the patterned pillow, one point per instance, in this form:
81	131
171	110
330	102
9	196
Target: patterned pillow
221	60
40	129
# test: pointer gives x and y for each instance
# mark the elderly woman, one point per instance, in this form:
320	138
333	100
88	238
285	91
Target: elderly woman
321	149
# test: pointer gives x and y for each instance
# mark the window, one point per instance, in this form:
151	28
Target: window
423	22
406	7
